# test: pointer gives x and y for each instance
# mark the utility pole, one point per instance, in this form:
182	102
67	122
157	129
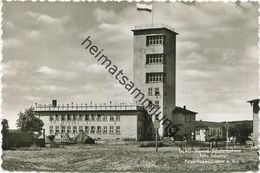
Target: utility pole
156	127
227	134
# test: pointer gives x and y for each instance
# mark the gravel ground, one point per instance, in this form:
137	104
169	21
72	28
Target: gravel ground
125	158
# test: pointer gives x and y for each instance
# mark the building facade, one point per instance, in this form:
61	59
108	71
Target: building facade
99	122
184	120
154	66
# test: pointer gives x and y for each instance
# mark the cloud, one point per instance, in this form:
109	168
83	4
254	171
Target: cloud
53	73
104	15
197	74
12	43
216	53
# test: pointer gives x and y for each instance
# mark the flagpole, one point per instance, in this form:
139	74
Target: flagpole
152	16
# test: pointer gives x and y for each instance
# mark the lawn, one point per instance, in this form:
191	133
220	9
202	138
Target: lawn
123	158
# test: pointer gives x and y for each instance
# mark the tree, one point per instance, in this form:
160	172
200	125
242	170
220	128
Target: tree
241	131
5	134
29	122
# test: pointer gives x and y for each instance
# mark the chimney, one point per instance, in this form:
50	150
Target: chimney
54	103
184	107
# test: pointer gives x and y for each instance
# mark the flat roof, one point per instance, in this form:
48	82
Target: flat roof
80	108
153	26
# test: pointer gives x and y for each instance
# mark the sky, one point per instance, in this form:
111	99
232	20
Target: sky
217	54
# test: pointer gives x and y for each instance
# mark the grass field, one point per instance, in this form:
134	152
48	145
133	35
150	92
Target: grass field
121	158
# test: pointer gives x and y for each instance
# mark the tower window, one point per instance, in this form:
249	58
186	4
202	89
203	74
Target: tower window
154	58
154	77
155	40
150	91
156	103
156	92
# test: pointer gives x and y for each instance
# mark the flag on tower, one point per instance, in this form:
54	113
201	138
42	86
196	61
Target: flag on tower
144	7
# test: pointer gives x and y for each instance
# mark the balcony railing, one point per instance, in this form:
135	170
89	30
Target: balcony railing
154	26
86	107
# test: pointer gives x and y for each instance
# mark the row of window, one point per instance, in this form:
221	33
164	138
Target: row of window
91	117
155	40
156	91
189	118
87	129
155	77
155	58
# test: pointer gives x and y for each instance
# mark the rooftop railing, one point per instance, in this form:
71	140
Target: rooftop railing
153	26
86	107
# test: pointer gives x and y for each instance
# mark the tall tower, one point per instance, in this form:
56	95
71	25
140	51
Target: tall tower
154	66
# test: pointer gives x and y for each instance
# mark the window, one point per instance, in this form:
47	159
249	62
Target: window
51	129
111	118
74	129
51	118
150	91
80	117
105	129
92	117
57	129
118	130
156	92
80	128
98	129
155	39
155	58
190	118
104	118
68	118
92	129
62	129
87	129
154	77
57	117
98	117
74	117
156	103
62	117
68	129
86	117
117	118
150	130
150	104
111	129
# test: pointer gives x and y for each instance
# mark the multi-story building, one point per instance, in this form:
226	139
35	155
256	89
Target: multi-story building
98	121
154	66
